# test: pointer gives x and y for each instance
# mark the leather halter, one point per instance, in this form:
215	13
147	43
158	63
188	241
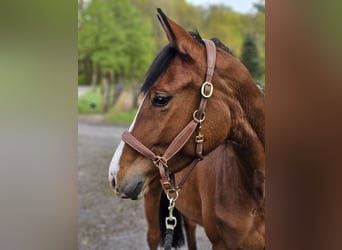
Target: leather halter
180	140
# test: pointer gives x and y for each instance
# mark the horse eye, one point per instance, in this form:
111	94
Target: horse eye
160	101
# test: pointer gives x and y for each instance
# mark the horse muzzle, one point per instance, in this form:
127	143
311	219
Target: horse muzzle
132	189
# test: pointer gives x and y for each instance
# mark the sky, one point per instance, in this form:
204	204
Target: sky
242	6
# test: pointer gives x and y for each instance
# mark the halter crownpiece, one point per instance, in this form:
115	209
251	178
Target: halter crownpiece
181	139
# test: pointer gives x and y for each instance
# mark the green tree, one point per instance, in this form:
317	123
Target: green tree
115	39
182	12
222	22
259	32
250	57
260	6
101	41
138	47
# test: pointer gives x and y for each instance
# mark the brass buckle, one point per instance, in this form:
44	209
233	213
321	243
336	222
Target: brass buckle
161	160
167	186
203	89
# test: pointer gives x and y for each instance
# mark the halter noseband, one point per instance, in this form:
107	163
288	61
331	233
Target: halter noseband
180	140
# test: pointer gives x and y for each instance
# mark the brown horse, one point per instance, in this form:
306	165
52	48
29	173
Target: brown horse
225	192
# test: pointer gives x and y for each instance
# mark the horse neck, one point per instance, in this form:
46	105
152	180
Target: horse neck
231	176
247	133
249	104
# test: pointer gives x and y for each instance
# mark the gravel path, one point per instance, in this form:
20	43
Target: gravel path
105	221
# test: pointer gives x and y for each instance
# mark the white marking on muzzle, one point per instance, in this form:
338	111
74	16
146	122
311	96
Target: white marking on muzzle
114	164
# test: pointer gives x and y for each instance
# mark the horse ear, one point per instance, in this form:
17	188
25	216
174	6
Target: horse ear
177	36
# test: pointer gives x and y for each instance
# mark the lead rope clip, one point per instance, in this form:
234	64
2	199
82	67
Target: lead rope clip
171	221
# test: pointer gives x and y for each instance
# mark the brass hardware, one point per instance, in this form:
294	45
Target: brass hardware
161	160
203	89
167	186
196	119
171	221
199	138
172	194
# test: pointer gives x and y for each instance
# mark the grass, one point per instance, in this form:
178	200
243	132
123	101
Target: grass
113	116
90	103
116	116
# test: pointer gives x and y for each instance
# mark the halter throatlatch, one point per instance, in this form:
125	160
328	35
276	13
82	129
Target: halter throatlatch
167	179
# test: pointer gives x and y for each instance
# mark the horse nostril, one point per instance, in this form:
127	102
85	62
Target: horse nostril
111	180
113	183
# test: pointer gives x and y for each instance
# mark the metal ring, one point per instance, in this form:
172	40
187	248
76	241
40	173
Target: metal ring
170	192
196	119
211	89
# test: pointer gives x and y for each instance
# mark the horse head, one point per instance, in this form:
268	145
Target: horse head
172	94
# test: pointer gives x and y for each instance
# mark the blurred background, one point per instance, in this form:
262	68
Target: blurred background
118	39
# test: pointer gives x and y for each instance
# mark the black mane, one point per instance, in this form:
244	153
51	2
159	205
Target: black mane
217	41
165	56
158	66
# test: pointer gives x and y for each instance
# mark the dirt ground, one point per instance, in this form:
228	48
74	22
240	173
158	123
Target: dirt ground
105	221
